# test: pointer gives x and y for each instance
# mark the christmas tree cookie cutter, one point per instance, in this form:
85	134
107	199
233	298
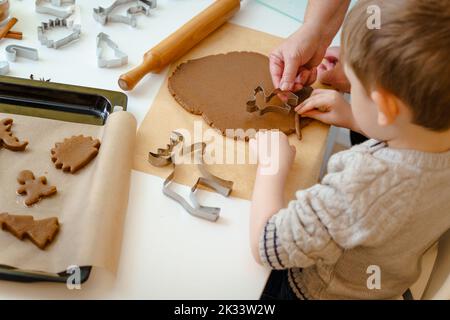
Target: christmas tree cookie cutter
120	59
169	155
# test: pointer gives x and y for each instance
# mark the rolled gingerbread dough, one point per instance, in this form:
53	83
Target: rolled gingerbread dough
218	88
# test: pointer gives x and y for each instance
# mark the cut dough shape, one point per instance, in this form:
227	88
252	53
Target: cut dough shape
34	189
7	139
218	88
74	153
40	232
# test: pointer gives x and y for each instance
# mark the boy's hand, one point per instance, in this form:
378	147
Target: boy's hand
330	107
274	153
331	72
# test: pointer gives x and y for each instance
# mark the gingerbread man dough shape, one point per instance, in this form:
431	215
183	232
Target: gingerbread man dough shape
34	189
7	139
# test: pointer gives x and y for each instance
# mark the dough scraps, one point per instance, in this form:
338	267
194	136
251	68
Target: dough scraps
218	88
7	139
75	153
40	232
34	189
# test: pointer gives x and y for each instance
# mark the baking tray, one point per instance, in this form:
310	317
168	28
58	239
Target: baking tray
56	101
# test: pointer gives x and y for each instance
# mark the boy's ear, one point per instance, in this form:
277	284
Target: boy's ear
387	104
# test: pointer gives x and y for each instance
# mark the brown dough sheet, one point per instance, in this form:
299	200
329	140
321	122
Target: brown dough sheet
219	86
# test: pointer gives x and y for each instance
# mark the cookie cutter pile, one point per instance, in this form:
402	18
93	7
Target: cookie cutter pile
290	102
58	23
168	156
105	15
120	58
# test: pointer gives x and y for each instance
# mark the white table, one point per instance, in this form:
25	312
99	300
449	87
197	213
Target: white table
166	253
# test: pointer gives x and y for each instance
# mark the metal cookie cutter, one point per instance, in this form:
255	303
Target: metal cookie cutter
41	6
45	26
104	15
292	100
59	3
253	104
143	6
120	59
13	50
168	156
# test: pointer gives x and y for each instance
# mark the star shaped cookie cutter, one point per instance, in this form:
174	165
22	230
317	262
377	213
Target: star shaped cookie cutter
169	155
292	100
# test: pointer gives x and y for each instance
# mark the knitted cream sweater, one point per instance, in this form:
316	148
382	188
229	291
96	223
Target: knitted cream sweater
377	206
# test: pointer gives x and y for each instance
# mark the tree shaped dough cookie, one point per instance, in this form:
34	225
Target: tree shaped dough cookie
34	189
40	232
7	139
74	153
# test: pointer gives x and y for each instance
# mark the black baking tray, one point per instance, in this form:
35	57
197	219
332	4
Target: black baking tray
56	101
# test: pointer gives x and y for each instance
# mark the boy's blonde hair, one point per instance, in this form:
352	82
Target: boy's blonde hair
408	56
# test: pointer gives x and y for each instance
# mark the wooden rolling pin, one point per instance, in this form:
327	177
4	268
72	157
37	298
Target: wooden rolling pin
181	41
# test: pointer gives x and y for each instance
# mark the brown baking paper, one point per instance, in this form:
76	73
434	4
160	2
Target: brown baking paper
166	115
90	204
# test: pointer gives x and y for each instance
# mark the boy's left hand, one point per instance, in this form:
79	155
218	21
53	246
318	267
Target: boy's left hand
274	153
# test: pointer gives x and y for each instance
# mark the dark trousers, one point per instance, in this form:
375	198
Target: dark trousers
277	287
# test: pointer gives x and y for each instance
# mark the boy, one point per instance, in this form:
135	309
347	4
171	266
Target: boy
385	202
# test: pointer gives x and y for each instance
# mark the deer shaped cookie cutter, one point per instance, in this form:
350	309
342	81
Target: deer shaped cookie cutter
169	155
290	102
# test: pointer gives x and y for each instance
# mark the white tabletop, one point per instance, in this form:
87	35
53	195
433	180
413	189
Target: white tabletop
166	253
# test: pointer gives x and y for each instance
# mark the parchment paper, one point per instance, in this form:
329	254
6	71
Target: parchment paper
166	115
90	204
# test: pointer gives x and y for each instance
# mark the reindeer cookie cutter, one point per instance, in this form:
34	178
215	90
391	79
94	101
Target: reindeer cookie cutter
105	15
291	101
168	156
286	107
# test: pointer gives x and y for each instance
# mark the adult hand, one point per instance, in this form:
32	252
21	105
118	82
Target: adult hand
293	64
